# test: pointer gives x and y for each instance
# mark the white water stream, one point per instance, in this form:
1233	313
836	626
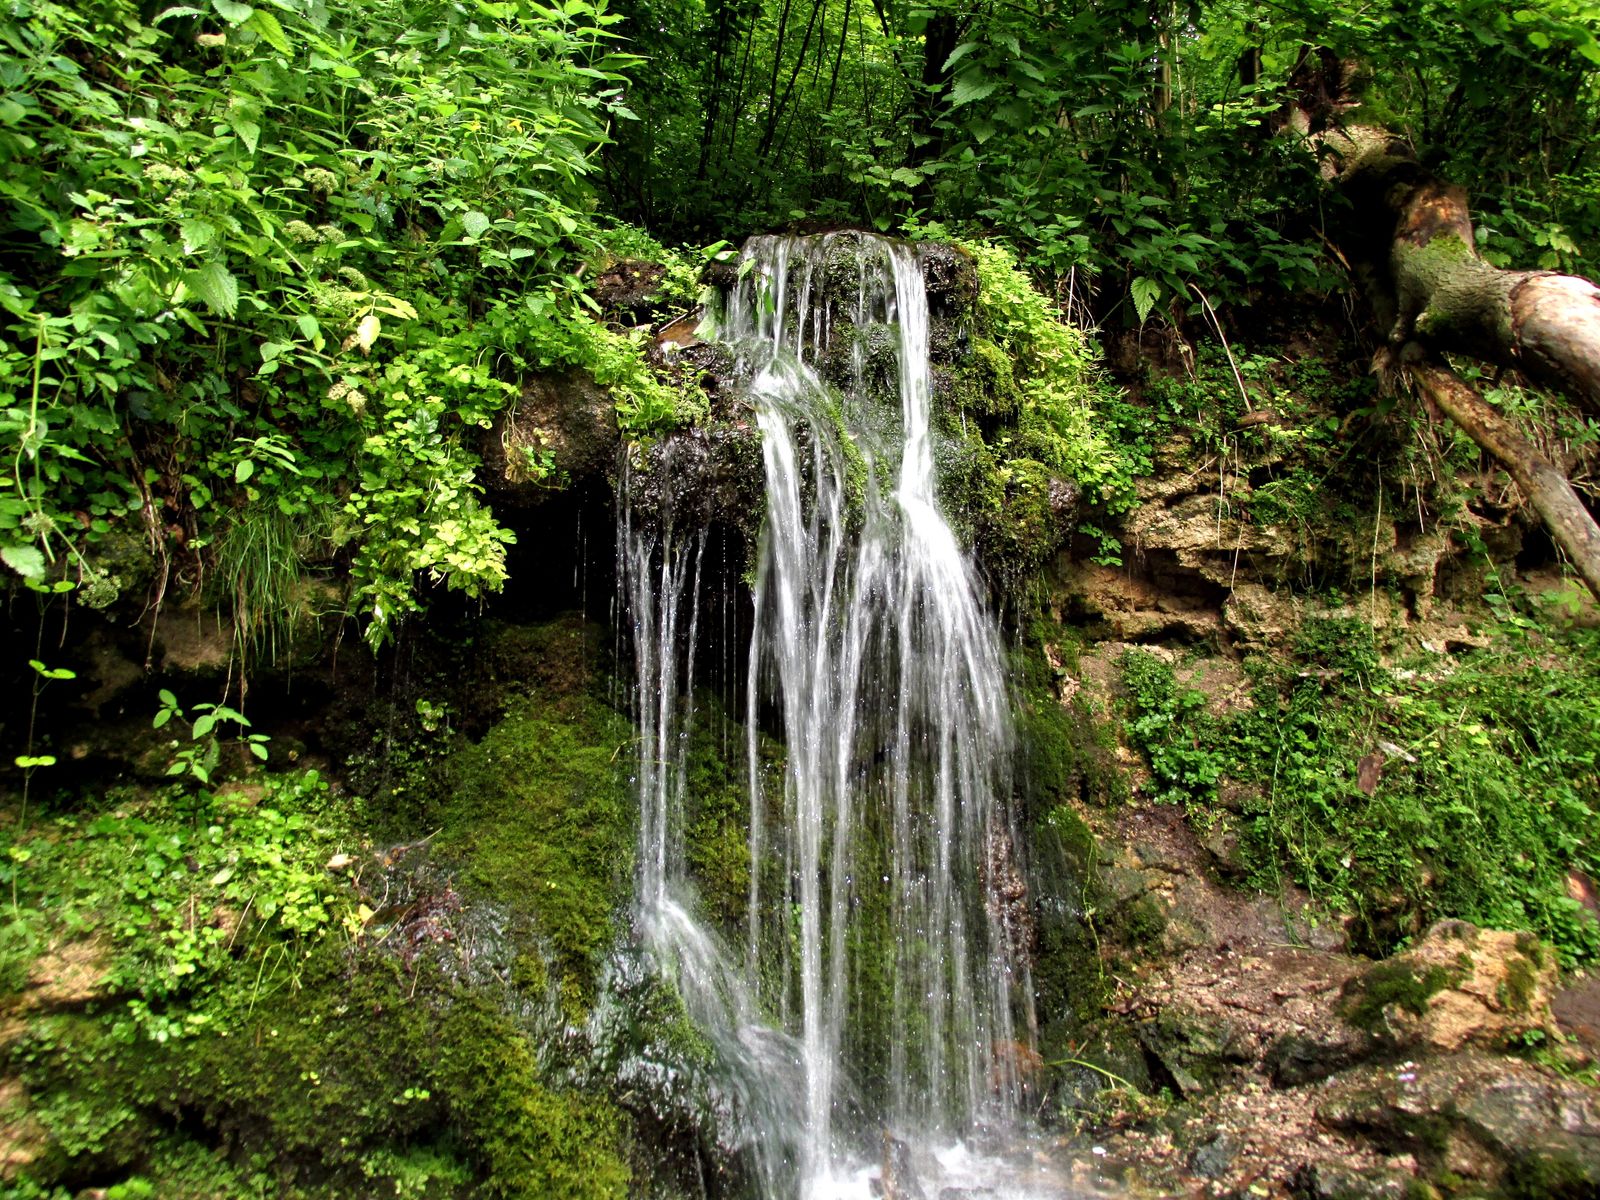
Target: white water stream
869	1018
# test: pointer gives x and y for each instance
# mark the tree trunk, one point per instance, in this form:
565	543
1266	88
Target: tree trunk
1547	489
1409	240
1415	234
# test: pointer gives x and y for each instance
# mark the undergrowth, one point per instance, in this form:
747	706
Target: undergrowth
1444	786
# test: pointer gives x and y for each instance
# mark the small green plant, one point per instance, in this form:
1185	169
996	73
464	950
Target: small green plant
1460	788
199	761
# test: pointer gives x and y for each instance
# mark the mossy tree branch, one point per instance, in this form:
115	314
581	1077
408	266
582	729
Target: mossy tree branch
1408	239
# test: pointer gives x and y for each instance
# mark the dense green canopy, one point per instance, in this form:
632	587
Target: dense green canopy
266	267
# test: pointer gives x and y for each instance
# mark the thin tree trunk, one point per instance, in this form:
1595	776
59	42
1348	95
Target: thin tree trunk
1571	525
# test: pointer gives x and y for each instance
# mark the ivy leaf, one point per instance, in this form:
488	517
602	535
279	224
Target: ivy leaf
475	224
26	561
232	11
1145	294
215	285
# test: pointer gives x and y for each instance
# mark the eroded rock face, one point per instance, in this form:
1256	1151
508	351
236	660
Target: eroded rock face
1488	1119
699	477
561	431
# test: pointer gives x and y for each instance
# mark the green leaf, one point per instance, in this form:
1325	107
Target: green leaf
232	11
906	175
249	132
475	223
970	87
308	326
167	698
216	286
244	470
28	761
203	724
265	24
1145	294
259	751
27	561
197	234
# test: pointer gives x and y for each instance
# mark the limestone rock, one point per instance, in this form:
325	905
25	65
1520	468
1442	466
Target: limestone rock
1460	986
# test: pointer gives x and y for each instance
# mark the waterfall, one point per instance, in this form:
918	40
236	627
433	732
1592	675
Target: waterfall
873	997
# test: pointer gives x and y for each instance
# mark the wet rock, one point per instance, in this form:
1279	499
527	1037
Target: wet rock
629	290
699	477
951	278
561	430
899	1179
1495	1120
1459	986
1325	1181
1212	1159
1194	1050
1222	842
1296	1059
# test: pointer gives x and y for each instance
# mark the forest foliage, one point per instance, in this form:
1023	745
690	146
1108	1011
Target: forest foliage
269	270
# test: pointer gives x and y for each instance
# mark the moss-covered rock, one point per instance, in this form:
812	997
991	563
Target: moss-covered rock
541	820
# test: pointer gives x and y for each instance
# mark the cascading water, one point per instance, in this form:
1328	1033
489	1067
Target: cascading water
875	994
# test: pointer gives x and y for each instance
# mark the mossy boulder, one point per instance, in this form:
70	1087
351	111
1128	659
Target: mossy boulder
541	820
1459	986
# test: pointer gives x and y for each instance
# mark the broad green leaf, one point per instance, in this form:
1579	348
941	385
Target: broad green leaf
197	234
970	87
249	132
475	224
906	175
244	470
960	52
216	286
27	561
308	326
271	32
1145	294
232	11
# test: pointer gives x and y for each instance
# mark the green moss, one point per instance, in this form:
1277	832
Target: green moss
716	817
1392	983
1557	1175
538	1144
985	384
541	820
1516	990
